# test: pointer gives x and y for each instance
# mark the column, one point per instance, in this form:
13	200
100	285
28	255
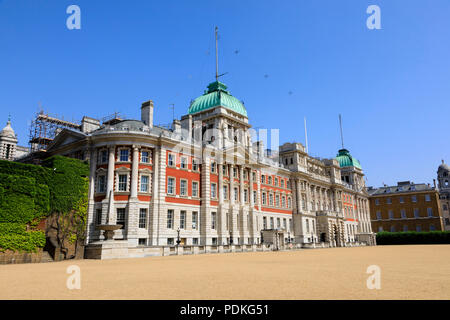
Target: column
134	172
91	201
110	178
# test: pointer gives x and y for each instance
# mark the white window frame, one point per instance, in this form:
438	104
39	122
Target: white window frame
195	190
171	158
185	193
174	185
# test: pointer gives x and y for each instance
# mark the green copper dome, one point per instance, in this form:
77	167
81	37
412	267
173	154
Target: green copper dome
345	159
217	95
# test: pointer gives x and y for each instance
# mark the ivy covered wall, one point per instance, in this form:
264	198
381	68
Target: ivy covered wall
29	193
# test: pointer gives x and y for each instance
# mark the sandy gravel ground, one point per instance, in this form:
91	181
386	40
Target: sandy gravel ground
407	272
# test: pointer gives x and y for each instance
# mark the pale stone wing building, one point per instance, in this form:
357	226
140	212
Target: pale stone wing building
443	176
9	150
204	182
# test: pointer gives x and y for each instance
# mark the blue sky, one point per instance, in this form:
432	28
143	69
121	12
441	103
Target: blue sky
285	59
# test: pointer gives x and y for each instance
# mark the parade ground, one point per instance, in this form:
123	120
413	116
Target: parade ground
406	272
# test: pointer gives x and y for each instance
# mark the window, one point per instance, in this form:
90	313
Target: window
245	195
270	199
264	198
144	183
194	165
388	200
379	215
99	216
214	241
224	170
183	163
403	213
194	220
142	241
225	192
432	228
271	222
282	183
307	226
278	223
142	218
120	218
235	172
276	182
416	213
171	185
103	156
265	223
283	201
255	195
277	200
414	198
213	190
213	167
123	182
213	220
254	176
377	201
401	200
170	241
183	188
270	180
427	198
195	241
391	214
289	202
170	219
195	189
263	178
124	154
284	224
101	184
418	228
380	229
236	192
144	157
430	212
405	228
182	219
392	229
171	160
445	207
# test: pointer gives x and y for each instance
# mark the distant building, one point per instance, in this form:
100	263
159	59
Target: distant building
9	150
405	207
443	174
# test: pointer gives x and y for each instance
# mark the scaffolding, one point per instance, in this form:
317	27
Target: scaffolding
44	128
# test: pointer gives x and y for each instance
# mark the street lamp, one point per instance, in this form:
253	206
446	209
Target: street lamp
231	237
178	237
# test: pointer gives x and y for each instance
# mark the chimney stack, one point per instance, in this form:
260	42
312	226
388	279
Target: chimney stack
434	183
147	113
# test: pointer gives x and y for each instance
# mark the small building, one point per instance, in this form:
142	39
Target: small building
443	175
9	150
405	207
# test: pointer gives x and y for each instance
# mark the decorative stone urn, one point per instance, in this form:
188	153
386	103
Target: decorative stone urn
108	230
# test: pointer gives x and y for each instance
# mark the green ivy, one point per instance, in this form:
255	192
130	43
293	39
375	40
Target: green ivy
29	193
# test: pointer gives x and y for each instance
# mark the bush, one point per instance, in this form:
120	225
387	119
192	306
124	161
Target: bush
412	237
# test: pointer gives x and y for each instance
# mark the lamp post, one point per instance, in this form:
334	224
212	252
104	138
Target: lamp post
178	237
231	237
